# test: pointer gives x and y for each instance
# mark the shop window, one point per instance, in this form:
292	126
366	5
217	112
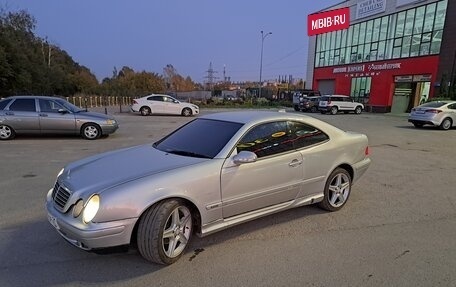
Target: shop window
392	26
328	41
369	31
384	28
415	46
383	53
406	46
436	42
362	32
355	34
419	20
424	49
318	48
429	18
367	49
440	15
376	30
350	36
338	37
344	38
400	25
333	41
360	89
409	22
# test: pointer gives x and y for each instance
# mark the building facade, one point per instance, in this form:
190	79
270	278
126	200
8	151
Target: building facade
395	55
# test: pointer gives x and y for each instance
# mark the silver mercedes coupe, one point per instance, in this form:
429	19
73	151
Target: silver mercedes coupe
214	172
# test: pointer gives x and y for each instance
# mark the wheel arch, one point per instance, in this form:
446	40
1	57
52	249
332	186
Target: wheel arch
193	208
348	168
90	123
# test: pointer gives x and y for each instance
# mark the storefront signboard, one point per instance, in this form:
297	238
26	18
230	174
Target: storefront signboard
328	21
367	68
403	79
368	8
422	78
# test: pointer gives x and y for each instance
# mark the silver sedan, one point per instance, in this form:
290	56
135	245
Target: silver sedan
441	114
215	172
51	115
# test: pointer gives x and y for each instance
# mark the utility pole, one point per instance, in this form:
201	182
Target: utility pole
210	76
263	36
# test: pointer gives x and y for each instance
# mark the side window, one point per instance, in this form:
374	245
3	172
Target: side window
451	107
267	139
48	106
23	105
306	135
4	103
155	98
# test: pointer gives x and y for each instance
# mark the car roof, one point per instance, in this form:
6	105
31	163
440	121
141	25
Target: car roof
33	97
244	117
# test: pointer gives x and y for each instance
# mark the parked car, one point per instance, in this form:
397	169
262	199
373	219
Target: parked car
300	95
51	115
309	104
214	172
339	103
441	114
163	104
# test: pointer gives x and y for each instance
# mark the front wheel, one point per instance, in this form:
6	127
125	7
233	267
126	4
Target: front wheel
358	110
337	190
90	131
164	231
6	132
446	124
145	111
333	110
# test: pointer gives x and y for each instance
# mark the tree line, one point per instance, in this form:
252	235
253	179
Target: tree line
32	65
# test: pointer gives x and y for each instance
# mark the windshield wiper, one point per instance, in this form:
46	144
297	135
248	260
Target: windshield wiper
187	153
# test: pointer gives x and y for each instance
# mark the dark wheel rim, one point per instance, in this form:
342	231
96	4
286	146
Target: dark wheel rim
358	110
187	112
145	111
333	110
446	124
177	231
5	132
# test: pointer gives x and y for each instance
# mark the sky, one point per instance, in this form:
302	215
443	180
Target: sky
150	34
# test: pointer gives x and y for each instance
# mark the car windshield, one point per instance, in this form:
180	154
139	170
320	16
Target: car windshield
199	138
69	106
433	104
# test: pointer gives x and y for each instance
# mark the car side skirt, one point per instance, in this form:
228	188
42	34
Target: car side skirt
238	219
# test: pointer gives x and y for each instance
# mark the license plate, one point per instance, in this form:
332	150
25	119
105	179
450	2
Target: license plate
53	221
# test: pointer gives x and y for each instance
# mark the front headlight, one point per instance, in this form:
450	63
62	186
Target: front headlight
110	122
91	208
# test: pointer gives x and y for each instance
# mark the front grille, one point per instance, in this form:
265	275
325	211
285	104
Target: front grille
60	196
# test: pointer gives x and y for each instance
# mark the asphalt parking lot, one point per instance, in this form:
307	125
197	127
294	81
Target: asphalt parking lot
398	228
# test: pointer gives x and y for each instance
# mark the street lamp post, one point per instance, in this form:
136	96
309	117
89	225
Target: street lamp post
263	36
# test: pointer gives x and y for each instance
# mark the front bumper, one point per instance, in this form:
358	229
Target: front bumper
92	235
109	129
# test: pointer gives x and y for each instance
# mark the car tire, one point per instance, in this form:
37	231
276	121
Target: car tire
333	110
446	124
337	190
296	108
6	132
358	110
313	109
418	125
164	231
90	131
186	112
145	111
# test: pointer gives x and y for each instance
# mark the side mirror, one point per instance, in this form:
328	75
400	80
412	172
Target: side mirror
63	111
244	157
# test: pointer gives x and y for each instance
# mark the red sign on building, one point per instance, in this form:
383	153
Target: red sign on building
328	21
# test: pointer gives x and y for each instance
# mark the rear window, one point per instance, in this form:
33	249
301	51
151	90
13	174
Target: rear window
23	105
434	104
4	103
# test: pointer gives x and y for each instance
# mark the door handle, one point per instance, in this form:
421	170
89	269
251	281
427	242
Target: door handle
295	163
9	113
43	115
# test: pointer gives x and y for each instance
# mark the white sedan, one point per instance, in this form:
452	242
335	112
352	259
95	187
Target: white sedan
441	114
163	104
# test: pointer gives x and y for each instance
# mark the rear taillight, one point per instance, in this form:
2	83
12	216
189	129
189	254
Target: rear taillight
366	151
433	111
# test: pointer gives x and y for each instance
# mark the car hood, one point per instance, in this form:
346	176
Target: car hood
98	173
91	115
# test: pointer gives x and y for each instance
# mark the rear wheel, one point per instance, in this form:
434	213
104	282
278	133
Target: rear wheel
145	111
446	124
333	110
337	190
90	131
6	132
186	112
164	231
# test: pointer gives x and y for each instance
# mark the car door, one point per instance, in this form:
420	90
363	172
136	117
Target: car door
156	104
171	105
274	178
55	118
22	116
452	113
